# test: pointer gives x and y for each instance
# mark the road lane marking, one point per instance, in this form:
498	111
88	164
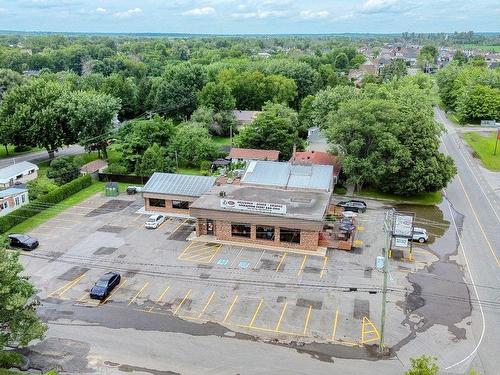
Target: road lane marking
138	293
324	267
277	328
256	312
302	265
281	261
182	302
159	298
335	321
229	310
206	305
308	316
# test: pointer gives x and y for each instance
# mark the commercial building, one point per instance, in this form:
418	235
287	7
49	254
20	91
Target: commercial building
174	193
18	173
11	199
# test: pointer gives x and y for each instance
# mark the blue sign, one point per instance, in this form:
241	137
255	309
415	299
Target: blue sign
243	264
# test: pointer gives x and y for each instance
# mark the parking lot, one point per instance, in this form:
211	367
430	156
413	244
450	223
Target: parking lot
268	294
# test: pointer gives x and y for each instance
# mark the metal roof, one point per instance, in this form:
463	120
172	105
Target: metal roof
178	184
15	170
11	191
288	175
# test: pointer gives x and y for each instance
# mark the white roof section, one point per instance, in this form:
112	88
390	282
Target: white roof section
15	170
178	184
288	175
11	192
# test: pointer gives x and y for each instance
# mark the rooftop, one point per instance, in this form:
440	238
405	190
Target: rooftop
288	175
178	184
94	166
245	116
16	169
253	154
318	158
299	204
11	191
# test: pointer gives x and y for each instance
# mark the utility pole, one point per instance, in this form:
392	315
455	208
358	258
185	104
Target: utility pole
388	223
231	133
496	143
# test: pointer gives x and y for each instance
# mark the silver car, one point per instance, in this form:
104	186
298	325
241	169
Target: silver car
420	235
154	221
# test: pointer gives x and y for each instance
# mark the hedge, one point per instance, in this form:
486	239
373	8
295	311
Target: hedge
44	202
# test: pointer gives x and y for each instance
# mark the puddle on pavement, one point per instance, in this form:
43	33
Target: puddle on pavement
440	295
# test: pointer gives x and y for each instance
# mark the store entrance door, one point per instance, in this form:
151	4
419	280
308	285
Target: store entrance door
210	227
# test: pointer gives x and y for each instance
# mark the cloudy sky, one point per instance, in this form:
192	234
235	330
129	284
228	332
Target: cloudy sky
250	16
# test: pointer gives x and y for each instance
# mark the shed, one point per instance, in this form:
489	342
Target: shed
112	189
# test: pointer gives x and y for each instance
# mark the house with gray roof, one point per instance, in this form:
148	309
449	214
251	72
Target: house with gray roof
18	173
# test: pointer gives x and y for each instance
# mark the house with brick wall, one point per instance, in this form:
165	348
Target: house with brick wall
11	199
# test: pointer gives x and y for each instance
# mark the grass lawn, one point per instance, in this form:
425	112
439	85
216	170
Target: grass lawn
193	171
8	372
424	199
484	147
222	141
495	48
45	215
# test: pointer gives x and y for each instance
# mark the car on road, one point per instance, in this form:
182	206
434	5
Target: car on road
353	205
105	285
420	235
23	241
131	190
154	221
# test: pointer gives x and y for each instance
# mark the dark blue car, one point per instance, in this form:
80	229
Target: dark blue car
105	285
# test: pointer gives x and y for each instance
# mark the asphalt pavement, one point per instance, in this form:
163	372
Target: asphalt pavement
39	156
470	195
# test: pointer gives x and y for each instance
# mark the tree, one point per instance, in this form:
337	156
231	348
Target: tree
192	144
341	62
31	115
154	160
8	79
423	365
217	123
18	319
125	89
460	57
63	170
275	128
395	69
427	57
478	102
217	96
328	100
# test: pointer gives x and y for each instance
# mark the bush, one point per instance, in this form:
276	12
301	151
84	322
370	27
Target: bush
39	187
205	165
10	359
63	170
22	148
43	202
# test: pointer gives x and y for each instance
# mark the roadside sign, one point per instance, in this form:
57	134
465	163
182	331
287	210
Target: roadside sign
491	123
400	242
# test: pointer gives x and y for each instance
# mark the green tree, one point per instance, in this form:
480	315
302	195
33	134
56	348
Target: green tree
423	365
275	128
217	96
478	102
154	160
125	89
192	144
341	62
395	69
63	170
18	319
460	58
328	100
8	79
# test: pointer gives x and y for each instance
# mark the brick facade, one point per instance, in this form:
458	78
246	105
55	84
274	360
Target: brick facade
168	203
308	239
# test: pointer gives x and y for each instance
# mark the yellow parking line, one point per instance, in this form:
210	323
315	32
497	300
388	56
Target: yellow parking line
215	253
302	265
197	251
229	310
178	226
182	302
277	328
138	293
114	291
307	320
206	305
60	291
335	321
256	312
281	261
324	267
364	332
159	298
137	218
187	247
264	329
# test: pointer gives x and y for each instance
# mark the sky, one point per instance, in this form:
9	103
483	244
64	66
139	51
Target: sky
250	16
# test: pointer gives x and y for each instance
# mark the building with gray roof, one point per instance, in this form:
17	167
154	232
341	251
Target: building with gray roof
18	173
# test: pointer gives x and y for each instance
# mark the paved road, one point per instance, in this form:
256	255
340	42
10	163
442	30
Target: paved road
38	156
471	196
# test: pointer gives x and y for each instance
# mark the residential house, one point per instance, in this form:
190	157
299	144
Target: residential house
94	167
18	173
11	199
248	154
244	117
317	158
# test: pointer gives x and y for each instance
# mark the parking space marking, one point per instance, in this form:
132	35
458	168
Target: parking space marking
281	261
277	328
301	269
200	252
185	250
308	316
60	291
371	332
114	291
159	299
233	263
360	228
260	258
138	293
206	305
358	243
335	321
325	260
165	222
228	313
178	226
183	300
256	312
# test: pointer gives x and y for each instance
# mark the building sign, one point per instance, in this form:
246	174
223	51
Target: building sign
403	225
270	208
400	242
491	123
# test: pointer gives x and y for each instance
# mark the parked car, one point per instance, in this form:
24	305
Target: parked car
105	285
353	205
154	221
131	190
347	225
420	235
23	241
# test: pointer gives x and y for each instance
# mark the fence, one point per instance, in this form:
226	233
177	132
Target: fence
129	179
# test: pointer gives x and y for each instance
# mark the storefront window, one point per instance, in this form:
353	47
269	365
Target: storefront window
265	233
153	202
181	205
289	235
240	230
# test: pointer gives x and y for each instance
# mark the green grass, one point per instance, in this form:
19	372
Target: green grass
193	171
222	141
424	199
11	148
8	372
495	48
484	147
43	216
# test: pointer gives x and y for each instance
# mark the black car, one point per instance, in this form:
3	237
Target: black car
353	205
105	285
23	241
